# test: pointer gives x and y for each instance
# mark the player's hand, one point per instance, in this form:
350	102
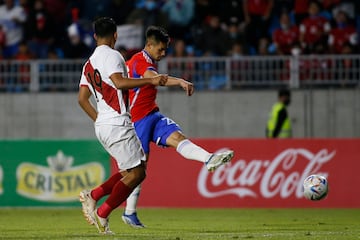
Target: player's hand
187	86
160	80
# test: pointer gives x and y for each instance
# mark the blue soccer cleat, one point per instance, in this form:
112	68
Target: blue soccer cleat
132	220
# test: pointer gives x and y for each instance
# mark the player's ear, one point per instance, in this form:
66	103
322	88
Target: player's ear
149	44
115	36
95	37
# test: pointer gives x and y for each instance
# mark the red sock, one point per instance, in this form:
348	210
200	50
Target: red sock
118	195
106	188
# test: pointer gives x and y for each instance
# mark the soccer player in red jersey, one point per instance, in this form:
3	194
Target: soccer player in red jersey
153	126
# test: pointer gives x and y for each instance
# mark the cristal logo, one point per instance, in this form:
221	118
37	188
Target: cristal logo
58	182
264	178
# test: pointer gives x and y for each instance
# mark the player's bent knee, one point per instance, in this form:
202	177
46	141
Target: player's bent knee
175	138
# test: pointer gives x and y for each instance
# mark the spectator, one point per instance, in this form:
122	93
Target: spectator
91	9
285	37
314	29
183	69
212	38
180	13
357	20
237	50
231	11
120	9
262	72
234	34
148	13
178	48
11	18
22	79
39	30
203	9
23	53
263	47
301	8
75	48
332	6
281	6
347	64
257	17
342	35
238	64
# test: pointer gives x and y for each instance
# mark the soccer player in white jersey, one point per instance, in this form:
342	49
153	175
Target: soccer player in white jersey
104	76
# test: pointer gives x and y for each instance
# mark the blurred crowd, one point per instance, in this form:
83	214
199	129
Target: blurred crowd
52	29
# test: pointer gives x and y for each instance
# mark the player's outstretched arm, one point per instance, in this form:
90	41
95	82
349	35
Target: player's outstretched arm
85	104
187	86
128	83
174	81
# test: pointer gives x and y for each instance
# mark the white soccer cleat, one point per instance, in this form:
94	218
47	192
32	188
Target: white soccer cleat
88	205
218	159
102	224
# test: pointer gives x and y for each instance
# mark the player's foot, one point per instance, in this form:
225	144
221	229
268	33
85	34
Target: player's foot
88	205
102	224
132	220
218	159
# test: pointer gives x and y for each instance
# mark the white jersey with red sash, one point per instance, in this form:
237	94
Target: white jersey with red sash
112	103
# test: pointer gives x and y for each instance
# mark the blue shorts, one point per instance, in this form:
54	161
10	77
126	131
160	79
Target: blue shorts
156	128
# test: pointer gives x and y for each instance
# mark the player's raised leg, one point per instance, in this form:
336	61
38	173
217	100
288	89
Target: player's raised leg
190	150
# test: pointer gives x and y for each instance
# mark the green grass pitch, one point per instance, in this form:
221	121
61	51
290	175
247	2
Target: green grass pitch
186	224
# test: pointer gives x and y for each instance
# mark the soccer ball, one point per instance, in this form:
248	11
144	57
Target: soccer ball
315	187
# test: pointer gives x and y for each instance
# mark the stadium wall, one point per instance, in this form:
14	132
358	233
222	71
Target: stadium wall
236	114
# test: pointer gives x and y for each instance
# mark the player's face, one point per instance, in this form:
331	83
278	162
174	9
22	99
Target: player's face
158	50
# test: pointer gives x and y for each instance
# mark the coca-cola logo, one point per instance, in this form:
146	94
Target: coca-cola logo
281	176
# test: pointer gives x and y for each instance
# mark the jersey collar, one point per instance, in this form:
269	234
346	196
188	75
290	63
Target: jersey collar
148	55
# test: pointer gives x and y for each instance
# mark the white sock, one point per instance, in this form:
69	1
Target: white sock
192	151
132	200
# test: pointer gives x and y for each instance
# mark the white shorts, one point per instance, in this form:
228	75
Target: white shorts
122	143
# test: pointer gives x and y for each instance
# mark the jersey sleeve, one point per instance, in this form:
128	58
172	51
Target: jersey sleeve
142	65
114	64
83	81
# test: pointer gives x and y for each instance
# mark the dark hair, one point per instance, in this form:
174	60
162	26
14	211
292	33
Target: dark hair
104	27
317	3
157	34
284	92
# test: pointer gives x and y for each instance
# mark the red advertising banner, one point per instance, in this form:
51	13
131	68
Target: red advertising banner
263	173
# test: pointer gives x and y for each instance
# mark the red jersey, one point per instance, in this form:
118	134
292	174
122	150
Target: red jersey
142	100
258	7
285	39
301	6
340	36
313	28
